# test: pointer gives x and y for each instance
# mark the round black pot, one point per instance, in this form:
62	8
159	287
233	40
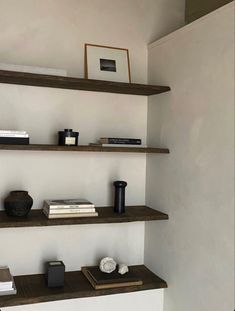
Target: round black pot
18	204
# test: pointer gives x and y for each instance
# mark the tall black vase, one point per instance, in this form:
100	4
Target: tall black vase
119	196
18	204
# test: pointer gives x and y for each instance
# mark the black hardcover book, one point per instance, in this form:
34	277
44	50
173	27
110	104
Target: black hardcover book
14	140
126	141
109	278
101	280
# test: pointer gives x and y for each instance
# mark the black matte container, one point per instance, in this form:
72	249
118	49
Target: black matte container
68	138
55	271
119	196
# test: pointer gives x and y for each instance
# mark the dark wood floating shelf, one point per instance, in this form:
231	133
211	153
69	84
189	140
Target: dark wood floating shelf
23	78
84	148
36	218
32	288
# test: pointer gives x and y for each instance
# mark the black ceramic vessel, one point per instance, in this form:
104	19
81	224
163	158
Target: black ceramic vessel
18	204
119	196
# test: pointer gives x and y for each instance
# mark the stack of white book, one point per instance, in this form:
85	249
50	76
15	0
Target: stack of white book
7	285
70	208
13	137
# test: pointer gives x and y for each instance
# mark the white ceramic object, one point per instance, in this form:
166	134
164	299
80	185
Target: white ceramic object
108	265
122	268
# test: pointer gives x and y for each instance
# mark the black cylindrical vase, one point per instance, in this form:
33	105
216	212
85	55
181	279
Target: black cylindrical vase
119	196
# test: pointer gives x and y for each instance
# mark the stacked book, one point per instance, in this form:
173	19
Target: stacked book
69	208
118	142
9	137
7	285
101	280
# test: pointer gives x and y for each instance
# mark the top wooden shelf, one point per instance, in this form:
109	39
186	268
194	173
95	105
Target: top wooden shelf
23	78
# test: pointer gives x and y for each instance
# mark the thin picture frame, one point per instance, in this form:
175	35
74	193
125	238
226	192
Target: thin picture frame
100	68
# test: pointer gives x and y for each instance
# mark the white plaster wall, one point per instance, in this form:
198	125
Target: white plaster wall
42	112
194	250
52	33
47	175
26	249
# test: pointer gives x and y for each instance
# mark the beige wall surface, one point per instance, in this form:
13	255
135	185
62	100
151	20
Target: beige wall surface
194	250
52	34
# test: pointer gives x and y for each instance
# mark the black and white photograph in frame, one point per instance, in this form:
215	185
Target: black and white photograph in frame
107	63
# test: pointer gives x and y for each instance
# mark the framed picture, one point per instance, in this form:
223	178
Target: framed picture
107	63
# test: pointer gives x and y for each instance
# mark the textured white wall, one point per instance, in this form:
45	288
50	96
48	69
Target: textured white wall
52	33
194	250
42	112
47	175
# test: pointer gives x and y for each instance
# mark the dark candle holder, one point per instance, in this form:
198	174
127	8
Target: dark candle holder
68	138
119	196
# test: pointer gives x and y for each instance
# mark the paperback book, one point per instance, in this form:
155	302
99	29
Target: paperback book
7	285
8	132
120	141
69	215
14	140
118	145
69	203
68	210
8	137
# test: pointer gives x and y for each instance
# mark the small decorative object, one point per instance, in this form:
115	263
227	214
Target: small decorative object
108	265
122	269
68	138
100	280
55	273
107	63
119	196
18	204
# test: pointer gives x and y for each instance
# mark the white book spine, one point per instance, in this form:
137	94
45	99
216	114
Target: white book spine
11	291
72	210
70	215
6	287
118	145
2	289
123	145
14	135
12	132
81	206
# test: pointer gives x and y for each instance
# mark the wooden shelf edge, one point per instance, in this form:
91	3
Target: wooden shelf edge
36	218
83	148
31	289
32	79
